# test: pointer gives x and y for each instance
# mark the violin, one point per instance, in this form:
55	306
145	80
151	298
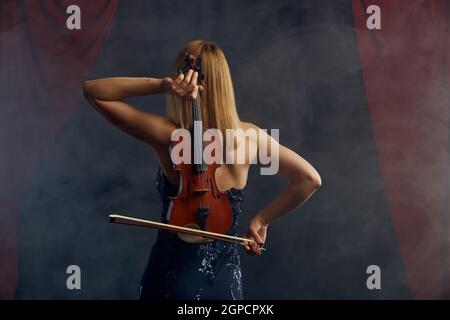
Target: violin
199	203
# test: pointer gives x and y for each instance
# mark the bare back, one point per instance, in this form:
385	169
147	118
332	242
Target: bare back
228	175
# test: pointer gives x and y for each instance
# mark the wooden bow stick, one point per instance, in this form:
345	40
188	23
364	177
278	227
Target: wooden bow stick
117	218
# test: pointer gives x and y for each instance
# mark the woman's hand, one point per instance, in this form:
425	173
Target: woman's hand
184	86
257	231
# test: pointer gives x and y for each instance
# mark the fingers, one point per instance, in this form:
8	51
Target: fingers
180	78
256	249
187	78
192	84
194	78
186	85
194	93
252	248
192	88
247	246
256	236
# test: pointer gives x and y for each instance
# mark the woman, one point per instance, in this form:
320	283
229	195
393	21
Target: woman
177	269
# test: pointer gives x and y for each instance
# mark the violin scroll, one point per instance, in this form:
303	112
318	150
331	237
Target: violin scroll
190	62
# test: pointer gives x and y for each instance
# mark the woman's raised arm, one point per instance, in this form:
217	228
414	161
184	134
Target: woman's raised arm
107	95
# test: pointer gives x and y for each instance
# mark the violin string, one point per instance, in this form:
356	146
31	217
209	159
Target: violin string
199	168
197	147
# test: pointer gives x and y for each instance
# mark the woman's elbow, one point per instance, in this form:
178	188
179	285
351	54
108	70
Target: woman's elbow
315	180
312	180
306	184
87	93
86	88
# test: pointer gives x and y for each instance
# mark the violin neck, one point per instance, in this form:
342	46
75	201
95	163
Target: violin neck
196	110
199	164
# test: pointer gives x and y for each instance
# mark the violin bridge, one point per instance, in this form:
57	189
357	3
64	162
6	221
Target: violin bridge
202	190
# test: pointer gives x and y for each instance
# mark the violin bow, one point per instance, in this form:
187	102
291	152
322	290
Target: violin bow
117	218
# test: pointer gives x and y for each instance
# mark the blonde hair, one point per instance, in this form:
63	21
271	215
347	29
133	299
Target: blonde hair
217	100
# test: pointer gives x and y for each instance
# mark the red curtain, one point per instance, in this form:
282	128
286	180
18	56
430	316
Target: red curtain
42	65
406	77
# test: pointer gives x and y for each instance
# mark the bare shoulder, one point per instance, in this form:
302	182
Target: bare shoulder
248	125
261	134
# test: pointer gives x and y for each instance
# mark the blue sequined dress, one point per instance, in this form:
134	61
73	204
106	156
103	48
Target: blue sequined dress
183	271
